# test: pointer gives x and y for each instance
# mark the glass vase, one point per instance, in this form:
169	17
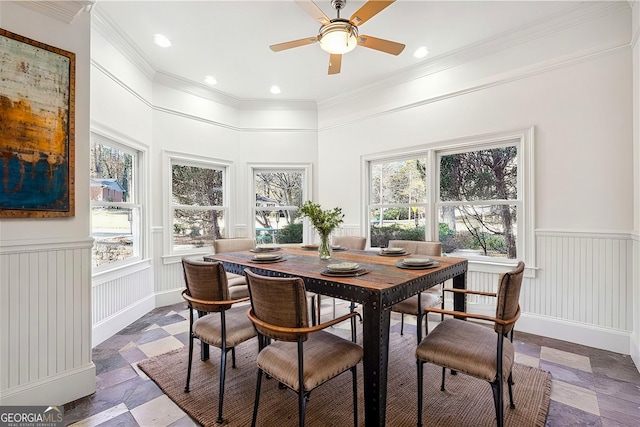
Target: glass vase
324	249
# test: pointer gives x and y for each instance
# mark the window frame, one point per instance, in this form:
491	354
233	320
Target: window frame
523	139
304	168
139	153
171	158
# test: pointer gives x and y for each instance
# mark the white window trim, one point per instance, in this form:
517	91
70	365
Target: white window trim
168	159
112	138
304	168
523	138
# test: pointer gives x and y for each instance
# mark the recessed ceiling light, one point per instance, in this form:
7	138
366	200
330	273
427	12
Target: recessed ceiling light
161	40
421	52
210	80
275	90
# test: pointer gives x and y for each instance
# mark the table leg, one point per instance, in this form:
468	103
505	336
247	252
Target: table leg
459	300
375	340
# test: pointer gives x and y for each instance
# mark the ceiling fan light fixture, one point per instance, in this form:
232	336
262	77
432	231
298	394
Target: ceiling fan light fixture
338	37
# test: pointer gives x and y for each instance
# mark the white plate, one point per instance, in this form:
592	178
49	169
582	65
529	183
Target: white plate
266	257
392	250
417	261
343	266
266	247
309	246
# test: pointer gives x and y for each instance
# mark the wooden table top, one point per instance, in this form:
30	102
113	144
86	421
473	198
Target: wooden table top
383	273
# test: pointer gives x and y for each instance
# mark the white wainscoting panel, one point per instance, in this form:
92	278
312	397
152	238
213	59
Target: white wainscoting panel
121	300
45	332
583	277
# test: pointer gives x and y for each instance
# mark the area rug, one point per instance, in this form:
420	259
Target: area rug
466	401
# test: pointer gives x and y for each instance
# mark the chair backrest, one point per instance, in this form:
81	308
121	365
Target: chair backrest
278	301
508	301
418	247
233	245
350	242
206	281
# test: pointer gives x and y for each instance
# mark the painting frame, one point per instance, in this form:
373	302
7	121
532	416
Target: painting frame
37	129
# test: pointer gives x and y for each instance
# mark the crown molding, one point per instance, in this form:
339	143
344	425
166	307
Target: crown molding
64	11
110	31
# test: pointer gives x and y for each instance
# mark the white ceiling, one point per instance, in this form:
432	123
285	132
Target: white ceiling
230	40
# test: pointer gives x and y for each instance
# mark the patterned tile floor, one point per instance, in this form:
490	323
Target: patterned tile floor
590	387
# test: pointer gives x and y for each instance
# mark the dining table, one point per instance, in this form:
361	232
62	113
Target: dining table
380	281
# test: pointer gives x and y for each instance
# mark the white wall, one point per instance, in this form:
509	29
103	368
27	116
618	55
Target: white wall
45	264
574	87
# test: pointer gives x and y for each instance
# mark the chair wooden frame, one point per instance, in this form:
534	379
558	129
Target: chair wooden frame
503	328
268	331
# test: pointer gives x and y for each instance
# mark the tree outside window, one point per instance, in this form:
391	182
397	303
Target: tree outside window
197	205
279	195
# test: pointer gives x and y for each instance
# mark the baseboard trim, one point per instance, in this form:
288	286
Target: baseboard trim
170	297
120	320
56	390
593	336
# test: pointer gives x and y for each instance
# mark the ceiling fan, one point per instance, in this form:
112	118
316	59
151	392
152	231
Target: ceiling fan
338	36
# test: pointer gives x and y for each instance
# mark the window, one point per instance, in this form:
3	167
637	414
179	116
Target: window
279	193
398	200
198	205
472	195
478	206
115	203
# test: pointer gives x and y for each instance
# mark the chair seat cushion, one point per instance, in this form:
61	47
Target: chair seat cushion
234	279
325	356
239	328
237	292
466	347
410	305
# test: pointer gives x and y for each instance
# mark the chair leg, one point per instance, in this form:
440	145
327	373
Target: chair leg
444	370
257	398
510	383
401	323
354	375
420	369
301	405
223	370
186	387
496	388
419	327
233	357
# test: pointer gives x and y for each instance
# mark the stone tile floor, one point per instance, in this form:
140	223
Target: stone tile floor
590	387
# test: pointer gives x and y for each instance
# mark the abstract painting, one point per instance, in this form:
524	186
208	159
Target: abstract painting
37	113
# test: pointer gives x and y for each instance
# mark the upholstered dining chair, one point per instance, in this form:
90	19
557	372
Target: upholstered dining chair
300	357
474	349
237	283
208	293
350	242
415	304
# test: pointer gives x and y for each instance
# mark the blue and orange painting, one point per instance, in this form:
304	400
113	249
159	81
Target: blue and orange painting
35	162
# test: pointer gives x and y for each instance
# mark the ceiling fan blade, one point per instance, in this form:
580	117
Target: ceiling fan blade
335	62
294	43
382	45
314	11
368	11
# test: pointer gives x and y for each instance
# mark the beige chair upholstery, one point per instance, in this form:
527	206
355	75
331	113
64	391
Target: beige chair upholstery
208	292
474	349
298	356
350	242
416	304
237	283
